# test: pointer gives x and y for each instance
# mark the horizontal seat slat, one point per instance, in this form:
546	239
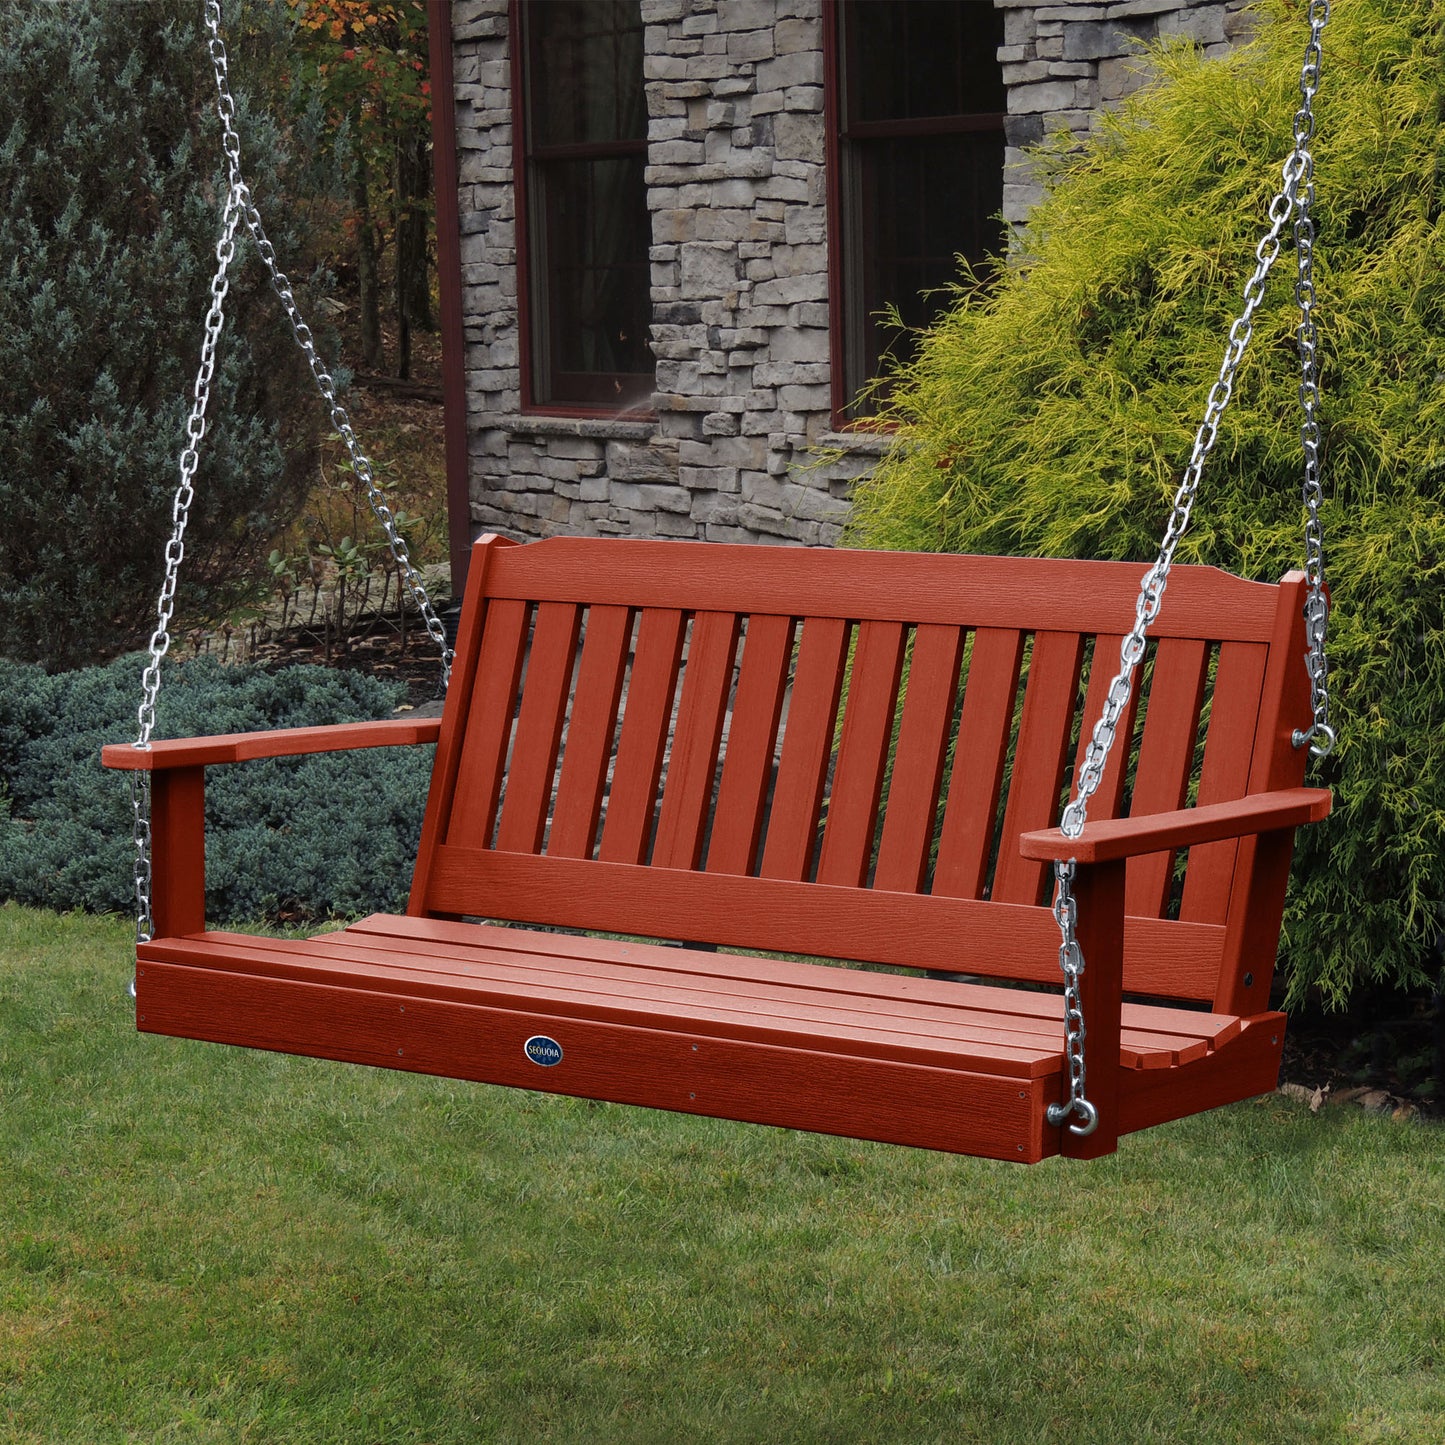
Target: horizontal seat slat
991	1022
738	1016
879	1010
1186	1024
982	1013
685	990
988	1028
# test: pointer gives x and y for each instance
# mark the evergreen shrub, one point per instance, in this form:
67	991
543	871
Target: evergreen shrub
1052	414
300	838
110	179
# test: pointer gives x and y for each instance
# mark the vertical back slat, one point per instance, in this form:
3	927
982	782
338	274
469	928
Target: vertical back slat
489	723
442	796
807	747
847	847
646	714
752	736
590	732
1050	701
1108	799
979	755
1166	758
1238	682
692	766
928	705
539	727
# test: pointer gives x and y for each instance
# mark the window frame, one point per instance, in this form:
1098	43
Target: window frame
533	293
844	272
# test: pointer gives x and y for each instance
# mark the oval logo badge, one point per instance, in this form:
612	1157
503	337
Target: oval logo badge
542	1050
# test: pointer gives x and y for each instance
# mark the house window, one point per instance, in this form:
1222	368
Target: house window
918	121
583	205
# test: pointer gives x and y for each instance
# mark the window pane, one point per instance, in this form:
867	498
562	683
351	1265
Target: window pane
587	225
597	234
921	151
911	228
913	58
585	71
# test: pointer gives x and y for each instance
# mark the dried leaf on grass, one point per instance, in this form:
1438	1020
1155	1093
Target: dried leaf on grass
1315	1098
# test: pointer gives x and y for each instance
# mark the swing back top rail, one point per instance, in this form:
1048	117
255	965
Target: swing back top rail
829	753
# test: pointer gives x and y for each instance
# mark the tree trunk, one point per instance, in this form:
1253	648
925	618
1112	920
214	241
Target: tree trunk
367	280
413	288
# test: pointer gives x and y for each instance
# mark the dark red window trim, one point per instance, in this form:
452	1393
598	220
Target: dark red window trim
445	188
528	403
834	203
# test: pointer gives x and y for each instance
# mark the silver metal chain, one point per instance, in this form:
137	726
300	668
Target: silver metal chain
239	206
140	780
1294	199
1320	735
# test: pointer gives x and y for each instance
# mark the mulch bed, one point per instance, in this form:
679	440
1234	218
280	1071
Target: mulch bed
1386	1053
376	647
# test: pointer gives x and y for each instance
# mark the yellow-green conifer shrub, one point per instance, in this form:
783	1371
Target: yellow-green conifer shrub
1054	413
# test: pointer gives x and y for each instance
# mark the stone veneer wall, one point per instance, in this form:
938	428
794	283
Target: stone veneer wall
1064	64
736	188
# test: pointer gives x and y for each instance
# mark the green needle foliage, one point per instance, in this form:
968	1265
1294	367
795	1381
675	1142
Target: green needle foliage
110	180
300	838
1053	415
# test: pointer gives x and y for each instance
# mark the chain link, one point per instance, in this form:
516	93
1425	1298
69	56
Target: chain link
1294	199
140	780
1320	735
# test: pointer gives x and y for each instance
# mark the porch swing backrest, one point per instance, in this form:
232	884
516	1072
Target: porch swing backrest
835	753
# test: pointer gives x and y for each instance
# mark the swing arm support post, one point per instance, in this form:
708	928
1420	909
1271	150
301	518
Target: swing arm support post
1099	891
1263	821
178	856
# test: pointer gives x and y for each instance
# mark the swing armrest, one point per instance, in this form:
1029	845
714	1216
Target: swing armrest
1111	839
1099	892
178	798
277	743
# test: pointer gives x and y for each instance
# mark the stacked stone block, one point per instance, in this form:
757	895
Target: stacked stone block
736	187
739	263
1064	64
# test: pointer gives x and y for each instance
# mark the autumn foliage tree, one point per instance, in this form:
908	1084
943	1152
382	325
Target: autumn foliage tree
367	59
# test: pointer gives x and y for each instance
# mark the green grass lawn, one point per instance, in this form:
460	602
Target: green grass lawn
200	1244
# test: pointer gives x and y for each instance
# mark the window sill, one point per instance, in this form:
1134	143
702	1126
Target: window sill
605	428
865	443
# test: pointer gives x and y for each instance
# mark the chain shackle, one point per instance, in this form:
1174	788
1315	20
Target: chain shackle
1294	199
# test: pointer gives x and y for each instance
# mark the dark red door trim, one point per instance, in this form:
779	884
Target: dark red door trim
445	186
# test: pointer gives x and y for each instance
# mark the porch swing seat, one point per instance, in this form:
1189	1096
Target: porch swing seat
816	753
